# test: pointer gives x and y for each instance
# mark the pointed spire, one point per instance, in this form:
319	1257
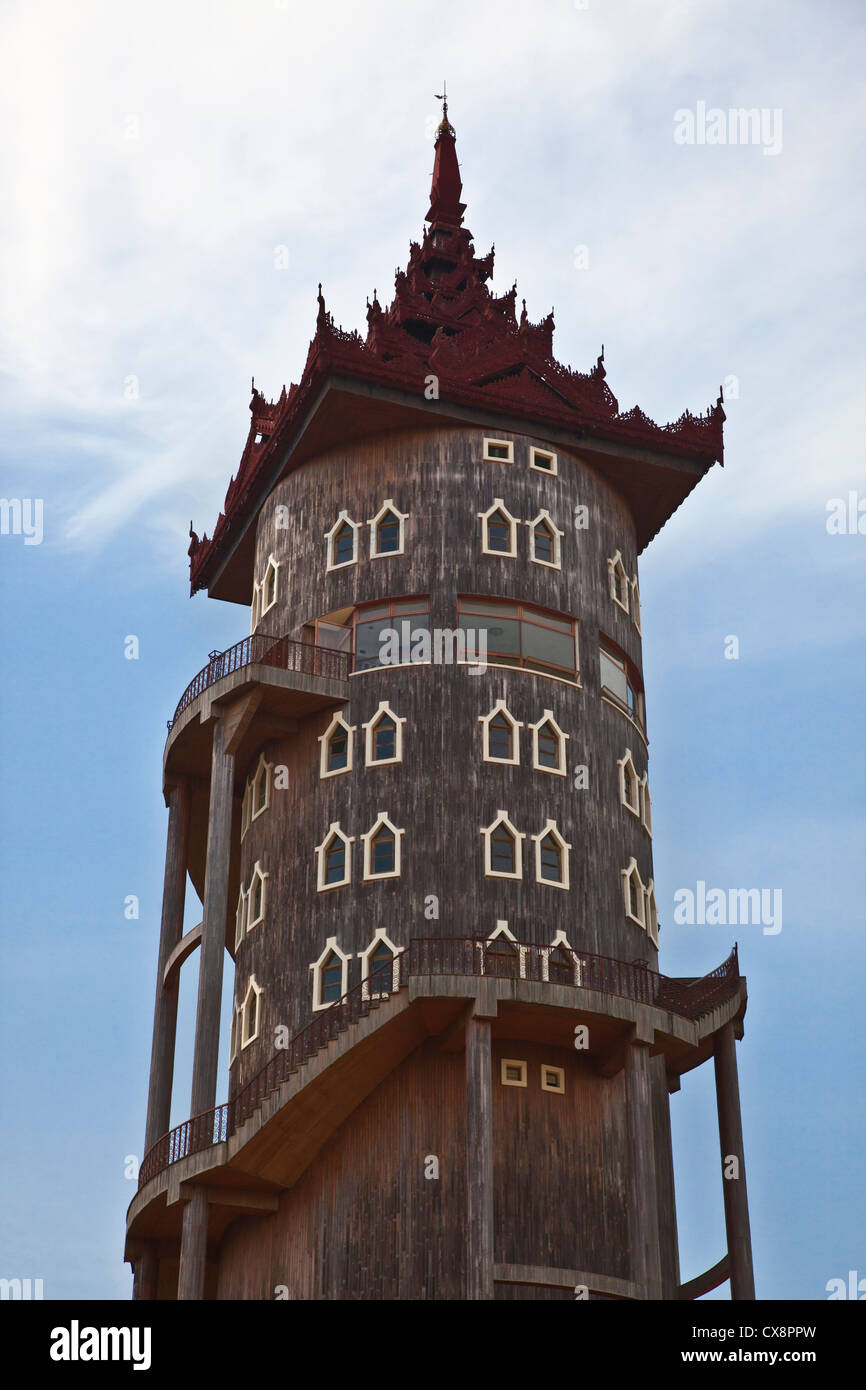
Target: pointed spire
445	204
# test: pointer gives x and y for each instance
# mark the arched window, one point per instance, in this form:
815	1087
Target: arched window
332	978
386	531
382	849
500	735
548	745
545	537
381	970
336	747
551	857
498	530
502	849
334	856
384	736
380	967
342	541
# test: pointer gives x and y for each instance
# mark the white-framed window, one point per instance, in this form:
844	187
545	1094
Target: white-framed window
383	741
548	745
256	897
629	784
652	915
502	956
237	1013
252	1011
500	735
260	788
336	747
334	859
498	451
255	606
562	964
269	585
382	849
342	541
633	893
551	857
240	918
646	806
387	531
620	585
545	539
503	851
380	967
543	461
552	1078
512	1072
330	975
635	603
498	530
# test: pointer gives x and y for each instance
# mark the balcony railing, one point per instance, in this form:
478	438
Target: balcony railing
283	653
499	959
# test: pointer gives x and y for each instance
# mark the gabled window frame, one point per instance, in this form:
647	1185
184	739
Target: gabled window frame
382	820
561	769
518	836
257	873
317	968
254	988
635	605
241	918
272	565
646	806
535	453
498	443
255	607
628	773
516	725
550	828
333	833
375	522
380	939
629	874
651	913
619	582
332	563
237	1012
512	522
369	727
545	519
325	745
261	766
561	942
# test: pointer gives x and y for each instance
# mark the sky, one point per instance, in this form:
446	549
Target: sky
176	181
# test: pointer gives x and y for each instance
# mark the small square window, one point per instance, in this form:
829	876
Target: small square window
513	1073
498	451
543	461
553	1079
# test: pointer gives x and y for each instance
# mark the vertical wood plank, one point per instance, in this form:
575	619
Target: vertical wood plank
479	1159
731	1144
644	1190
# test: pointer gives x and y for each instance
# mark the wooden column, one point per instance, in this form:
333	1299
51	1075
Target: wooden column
479	1159
644	1208
213	938
734	1187
146	1269
165	1008
193	1246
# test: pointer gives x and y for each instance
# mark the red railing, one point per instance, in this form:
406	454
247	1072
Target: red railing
446	955
284	653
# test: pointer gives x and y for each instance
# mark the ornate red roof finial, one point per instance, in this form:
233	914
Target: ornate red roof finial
445	204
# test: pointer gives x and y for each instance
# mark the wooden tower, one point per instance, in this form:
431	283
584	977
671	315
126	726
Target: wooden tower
414	802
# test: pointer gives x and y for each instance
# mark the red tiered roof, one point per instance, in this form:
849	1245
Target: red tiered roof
443	321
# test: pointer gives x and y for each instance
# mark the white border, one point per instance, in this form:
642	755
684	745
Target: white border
334	832
382	819
513	522
317	969
550	828
516	725
370	730
561	769
509	445
330	537
381	938
518	836
374	523
551	472
324	749
545	518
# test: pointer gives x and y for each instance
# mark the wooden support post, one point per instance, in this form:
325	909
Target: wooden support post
193	1247
213	939
644	1213
146	1269
733	1165
165	1008
479	1159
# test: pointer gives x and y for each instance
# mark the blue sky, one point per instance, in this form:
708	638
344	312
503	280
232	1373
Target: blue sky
155	163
